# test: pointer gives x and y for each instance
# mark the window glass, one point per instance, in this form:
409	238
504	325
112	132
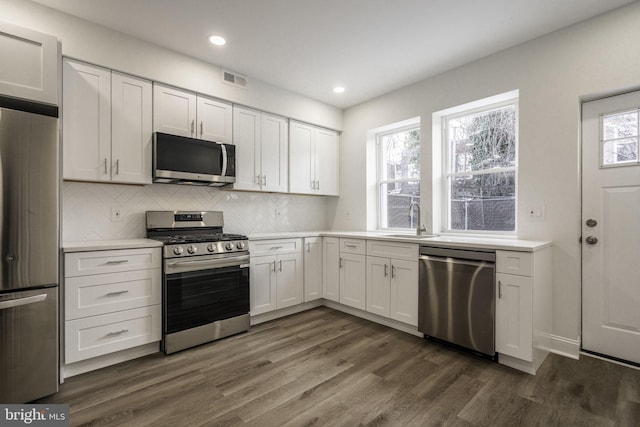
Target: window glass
620	138
398	177
480	173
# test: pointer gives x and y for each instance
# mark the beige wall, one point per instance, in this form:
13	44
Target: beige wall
553	73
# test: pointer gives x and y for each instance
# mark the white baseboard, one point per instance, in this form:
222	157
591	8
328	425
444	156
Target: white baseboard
566	347
404	327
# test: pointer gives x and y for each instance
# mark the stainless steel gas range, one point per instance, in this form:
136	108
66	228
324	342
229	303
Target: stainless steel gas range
205	287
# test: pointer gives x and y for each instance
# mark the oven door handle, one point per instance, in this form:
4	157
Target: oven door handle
213	263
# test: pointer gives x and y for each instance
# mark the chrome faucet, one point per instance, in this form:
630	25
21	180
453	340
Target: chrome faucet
419	228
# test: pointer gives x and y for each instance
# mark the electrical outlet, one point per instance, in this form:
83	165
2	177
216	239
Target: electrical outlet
116	215
536	213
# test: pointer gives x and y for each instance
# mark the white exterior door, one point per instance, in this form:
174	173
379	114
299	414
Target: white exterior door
611	227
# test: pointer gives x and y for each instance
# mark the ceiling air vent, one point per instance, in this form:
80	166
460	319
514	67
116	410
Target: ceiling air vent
234	79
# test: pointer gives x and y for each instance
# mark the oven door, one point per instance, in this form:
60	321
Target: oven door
204	290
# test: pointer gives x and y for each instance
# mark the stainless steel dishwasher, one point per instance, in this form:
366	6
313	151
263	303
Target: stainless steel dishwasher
457	297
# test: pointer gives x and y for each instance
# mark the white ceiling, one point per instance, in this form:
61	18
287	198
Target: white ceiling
309	46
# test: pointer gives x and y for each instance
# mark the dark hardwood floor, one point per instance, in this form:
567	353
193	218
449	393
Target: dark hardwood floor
323	367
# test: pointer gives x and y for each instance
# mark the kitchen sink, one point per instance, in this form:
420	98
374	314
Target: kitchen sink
410	236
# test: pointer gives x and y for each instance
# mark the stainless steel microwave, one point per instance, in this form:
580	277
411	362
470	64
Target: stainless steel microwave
182	160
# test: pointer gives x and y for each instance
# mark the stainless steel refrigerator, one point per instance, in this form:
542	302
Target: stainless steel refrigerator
29	205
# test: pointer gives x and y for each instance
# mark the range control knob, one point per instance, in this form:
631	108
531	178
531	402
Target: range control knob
228	246
192	249
240	245
178	250
211	247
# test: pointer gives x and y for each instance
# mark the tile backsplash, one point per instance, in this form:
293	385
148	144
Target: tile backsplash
86	209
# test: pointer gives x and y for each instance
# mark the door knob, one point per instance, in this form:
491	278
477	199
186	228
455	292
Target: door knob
591	222
591	240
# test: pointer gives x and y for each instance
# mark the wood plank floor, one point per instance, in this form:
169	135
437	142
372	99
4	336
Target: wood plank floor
324	367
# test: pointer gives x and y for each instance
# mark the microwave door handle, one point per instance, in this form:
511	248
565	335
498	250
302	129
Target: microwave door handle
224	159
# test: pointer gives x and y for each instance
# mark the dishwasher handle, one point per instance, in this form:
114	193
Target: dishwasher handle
456	261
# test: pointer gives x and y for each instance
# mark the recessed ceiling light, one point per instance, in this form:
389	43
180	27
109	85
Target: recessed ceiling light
338	89
217	40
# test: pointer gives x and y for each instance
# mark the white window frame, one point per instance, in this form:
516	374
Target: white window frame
381	206
443	117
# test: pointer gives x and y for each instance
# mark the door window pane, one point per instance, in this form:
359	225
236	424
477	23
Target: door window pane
620	138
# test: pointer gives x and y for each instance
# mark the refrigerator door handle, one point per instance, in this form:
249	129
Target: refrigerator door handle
22	301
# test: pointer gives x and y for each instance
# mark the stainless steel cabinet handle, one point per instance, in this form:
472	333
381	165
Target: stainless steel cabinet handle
393	271
499	289
258	180
275	248
22	301
591	240
192	125
274	266
352	246
280	265
117	166
115	293
386	270
308	247
119	261
201	128
105	165
341	263
121	331
318	187
264	180
313	185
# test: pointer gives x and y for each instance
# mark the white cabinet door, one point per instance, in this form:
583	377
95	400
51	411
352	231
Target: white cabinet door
312	268
302	158
404	291
331	268
86	111
274	153
174	111
246	138
378	285
514	316
263	284
214	120
131	129
352	280
29	64
290	280
326	150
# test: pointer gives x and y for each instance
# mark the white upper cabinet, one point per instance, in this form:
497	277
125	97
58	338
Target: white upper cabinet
215	120
107	125
29	64
313	162
183	113
131	124
86	112
261	142
174	111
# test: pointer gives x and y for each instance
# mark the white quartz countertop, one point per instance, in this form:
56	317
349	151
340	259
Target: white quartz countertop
105	245
445	241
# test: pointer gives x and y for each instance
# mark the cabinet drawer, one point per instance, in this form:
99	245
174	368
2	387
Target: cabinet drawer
108	333
386	249
353	246
108	293
99	262
509	262
274	247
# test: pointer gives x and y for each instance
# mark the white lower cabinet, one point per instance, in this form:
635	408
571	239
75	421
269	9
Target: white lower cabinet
276	279
112	301
331	268
353	270
523	308
312	268
392	284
